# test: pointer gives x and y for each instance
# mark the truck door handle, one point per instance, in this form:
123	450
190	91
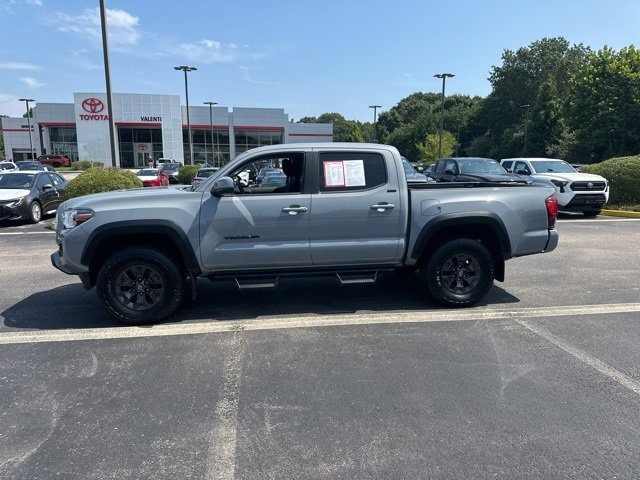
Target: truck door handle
294	209
381	207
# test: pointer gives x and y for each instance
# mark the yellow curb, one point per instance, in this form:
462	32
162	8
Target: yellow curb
620	213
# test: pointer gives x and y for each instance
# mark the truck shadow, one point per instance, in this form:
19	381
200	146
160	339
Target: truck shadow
222	301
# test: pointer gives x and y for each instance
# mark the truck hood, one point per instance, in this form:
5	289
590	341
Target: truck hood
131	196
12	193
572	177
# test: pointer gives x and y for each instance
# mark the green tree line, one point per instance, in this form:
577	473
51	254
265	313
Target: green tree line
549	99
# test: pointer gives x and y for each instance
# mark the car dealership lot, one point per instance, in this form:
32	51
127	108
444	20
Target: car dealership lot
312	380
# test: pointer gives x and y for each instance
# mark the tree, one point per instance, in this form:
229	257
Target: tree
343	130
603	104
537	76
428	148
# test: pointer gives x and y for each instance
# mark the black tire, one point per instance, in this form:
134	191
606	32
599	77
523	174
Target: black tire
140	285
459	273
591	213
35	212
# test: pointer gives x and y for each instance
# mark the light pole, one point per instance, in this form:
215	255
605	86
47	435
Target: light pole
186	69
26	101
107	78
444	77
211	104
375	120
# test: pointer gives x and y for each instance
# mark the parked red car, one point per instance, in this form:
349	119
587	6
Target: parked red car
55	160
153	177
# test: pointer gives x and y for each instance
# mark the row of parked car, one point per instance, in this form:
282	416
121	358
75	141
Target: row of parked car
576	191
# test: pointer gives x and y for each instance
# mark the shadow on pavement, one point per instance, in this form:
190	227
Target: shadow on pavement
71	306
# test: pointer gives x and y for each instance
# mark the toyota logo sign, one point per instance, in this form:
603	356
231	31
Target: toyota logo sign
93	106
142	146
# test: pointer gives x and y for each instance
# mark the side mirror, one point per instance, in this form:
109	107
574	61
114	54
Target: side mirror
47	187
222	186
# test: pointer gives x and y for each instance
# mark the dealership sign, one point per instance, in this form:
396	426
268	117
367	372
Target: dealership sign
93	108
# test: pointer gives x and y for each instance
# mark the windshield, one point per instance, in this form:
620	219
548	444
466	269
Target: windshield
408	169
149	172
546	166
16	180
481	166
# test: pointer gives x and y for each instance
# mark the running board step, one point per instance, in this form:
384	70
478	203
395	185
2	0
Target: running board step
247	283
357	278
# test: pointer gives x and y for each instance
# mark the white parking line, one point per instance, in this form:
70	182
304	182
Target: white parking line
584	357
310	321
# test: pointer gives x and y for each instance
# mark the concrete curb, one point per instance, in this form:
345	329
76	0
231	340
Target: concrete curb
620	213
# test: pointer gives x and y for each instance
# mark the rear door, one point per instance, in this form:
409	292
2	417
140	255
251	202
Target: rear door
357	215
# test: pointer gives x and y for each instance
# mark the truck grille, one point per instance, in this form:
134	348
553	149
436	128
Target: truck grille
590	199
587	186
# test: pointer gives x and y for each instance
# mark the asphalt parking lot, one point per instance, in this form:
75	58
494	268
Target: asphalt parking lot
316	381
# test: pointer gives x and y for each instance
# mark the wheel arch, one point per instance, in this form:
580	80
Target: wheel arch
163	235
486	227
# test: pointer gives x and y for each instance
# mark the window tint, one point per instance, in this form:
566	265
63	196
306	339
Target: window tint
283	173
348	171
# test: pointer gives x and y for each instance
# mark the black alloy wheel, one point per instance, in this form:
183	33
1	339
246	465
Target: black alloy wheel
459	273
140	285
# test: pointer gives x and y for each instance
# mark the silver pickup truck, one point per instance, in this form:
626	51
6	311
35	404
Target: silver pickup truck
342	209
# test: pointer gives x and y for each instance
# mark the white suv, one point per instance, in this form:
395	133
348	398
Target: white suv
576	191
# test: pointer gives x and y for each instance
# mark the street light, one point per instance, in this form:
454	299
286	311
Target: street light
375	120
211	104
186	69
443	76
26	101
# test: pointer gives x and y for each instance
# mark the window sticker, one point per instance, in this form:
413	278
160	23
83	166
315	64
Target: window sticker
354	173
333	174
344	173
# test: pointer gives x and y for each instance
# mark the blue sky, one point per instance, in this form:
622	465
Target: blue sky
305	56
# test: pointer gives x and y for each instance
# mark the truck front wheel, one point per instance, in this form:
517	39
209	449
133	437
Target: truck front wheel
459	273
140	285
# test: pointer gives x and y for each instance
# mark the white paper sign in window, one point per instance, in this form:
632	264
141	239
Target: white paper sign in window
354	173
344	173
333	174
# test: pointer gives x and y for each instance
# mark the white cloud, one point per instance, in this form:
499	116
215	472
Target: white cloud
121	26
32	82
208	51
34	2
18	66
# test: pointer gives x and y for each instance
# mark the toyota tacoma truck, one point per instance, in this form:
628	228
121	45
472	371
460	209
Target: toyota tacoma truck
345	210
576	191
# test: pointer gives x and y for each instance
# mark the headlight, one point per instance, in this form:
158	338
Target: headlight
560	184
74	217
16	203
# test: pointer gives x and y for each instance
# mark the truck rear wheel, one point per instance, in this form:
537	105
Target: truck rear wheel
140	285
459	273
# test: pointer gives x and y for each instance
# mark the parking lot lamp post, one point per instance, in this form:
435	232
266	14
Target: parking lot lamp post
444	77
526	127
185	69
213	150
375	121
26	101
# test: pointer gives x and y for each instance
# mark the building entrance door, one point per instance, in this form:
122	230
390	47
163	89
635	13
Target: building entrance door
144	154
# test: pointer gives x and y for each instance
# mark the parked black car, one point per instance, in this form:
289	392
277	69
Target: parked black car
28	195
172	170
473	169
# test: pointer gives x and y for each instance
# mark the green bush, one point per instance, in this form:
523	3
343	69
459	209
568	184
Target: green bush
96	180
186	173
623	174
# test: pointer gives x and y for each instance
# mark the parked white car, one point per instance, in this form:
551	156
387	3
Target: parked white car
576	191
7	166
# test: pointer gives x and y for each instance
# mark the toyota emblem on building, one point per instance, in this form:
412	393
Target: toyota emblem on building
143	146
92	105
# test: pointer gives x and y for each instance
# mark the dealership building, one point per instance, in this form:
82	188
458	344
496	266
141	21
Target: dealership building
148	127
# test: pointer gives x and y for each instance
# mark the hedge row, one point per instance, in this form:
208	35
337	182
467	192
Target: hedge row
623	174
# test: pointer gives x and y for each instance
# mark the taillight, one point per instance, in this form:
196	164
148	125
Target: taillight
552	211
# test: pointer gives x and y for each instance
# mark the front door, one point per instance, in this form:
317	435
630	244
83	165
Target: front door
144	154
255	231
